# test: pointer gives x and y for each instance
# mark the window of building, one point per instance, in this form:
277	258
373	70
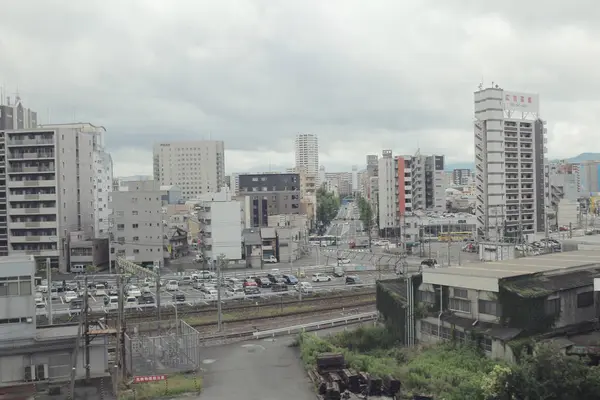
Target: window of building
488	307
585	299
134	213
553	306
15	286
460	305
426	297
136	251
120	227
134	226
136	238
461	293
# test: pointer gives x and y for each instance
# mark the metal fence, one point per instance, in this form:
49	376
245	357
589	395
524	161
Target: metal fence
177	350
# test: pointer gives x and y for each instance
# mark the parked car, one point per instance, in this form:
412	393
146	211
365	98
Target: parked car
134	291
99	290
210	293
338	272
279	287
290	279
430	262
186	280
146	298
233	282
235	292
352	280
263	282
270	260
203	275
131	300
273	278
111	301
304	287
172	286
178	297
70	296
318	277
343	261
251	289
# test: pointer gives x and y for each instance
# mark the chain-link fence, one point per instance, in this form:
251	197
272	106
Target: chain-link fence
177	350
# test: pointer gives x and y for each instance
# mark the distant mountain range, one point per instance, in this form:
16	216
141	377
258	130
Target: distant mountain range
577	159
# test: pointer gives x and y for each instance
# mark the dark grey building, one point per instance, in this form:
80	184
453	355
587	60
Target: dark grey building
461	177
270	194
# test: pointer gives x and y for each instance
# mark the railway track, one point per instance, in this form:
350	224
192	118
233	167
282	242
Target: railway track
248	312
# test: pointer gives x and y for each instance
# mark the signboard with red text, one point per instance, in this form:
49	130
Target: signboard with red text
517	101
149	378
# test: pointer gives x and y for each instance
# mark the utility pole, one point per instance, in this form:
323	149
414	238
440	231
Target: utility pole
291	250
449	242
158	272
86	331
118	333
121	328
221	260
49	279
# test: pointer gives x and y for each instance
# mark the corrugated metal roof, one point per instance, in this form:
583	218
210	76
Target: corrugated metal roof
268	233
251	237
543	285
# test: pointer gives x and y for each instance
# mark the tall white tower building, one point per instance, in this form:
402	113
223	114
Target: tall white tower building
195	167
510	165
307	153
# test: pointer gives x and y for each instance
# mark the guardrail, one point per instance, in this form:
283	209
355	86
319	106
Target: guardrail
312	326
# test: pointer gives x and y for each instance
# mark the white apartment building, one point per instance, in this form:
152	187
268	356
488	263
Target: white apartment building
221	226
510	165
395	198
103	165
195	167
50	178
307	153
137	225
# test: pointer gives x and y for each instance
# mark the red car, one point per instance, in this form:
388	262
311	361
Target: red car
249	282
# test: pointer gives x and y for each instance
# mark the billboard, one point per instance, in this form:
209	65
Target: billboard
595	204
518	101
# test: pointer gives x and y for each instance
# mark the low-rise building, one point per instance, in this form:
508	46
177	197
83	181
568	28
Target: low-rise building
252	248
270	242
85	252
220	227
38	354
178	243
504	300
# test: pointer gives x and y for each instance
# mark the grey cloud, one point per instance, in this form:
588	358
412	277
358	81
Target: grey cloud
253	73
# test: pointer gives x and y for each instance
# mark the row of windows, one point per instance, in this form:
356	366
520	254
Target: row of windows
446	333
15	286
19	320
461	303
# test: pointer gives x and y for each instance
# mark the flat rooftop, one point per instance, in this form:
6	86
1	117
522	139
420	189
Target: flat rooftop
56	332
521	266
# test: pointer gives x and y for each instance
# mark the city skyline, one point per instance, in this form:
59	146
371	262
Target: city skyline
355	104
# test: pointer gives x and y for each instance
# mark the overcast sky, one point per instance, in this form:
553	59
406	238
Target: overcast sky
363	75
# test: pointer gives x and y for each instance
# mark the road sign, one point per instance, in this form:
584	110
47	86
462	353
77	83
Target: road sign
149	378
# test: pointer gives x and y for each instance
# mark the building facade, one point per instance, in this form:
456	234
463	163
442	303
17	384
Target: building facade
195	167
428	183
307	153
395	189
137	227
510	165
564	183
14	115
221	228
270	194
590	176
461	177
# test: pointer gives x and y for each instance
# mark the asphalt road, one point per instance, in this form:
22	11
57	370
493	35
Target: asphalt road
268	369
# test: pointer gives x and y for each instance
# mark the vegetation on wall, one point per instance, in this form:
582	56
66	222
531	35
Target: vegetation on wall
391	306
525	309
328	205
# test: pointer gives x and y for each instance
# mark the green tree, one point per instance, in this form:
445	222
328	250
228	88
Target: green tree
366	215
328	205
547	374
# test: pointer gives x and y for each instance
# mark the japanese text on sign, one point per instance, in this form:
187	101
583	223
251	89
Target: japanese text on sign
150	378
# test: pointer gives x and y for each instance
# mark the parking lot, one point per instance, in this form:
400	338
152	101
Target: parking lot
192	295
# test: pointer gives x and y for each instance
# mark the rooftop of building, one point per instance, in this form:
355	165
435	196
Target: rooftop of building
16	258
56	332
521	266
544	285
252	237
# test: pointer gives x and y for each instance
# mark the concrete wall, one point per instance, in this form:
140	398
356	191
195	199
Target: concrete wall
12	367
18	306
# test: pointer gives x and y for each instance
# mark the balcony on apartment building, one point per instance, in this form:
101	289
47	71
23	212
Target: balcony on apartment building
40	208
30	155
40	181
32	196
17	168
30	140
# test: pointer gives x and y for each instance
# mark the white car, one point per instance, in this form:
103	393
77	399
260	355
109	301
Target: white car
304	287
172	286
133	291
211	294
70	295
100	290
321	278
203	275
343	261
270	260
